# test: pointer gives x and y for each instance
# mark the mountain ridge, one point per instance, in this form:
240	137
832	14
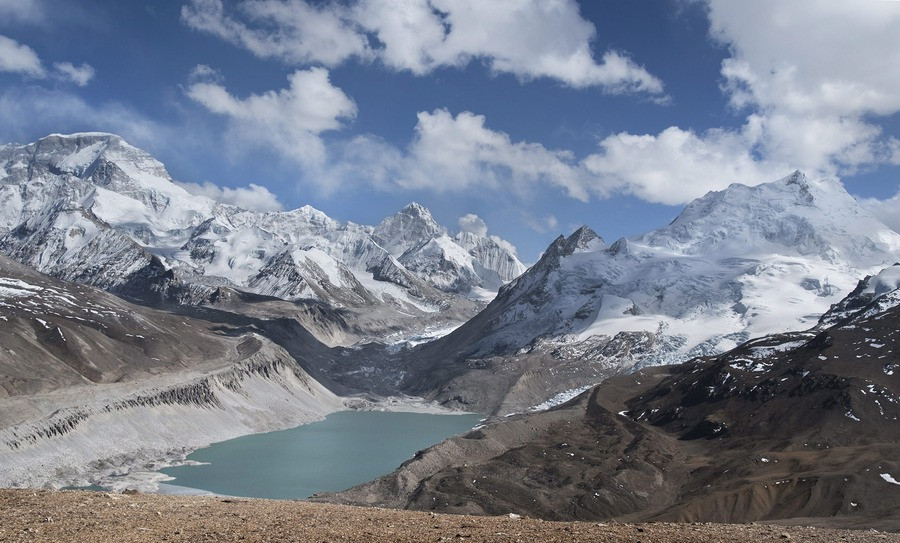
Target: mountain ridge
736	264
201	245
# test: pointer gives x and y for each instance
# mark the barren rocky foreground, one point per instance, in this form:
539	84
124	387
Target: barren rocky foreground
33	516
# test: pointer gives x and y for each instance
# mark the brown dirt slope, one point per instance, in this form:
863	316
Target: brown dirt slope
44	516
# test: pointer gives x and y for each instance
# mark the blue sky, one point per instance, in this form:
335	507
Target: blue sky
535	115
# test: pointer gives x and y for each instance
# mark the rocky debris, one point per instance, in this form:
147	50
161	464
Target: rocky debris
41	516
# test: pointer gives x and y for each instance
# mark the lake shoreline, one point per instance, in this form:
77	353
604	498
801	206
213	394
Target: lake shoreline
147	477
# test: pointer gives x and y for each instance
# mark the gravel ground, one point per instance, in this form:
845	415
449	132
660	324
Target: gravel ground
29	515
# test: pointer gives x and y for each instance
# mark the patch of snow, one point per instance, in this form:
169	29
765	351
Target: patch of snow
15	288
887	477
560	398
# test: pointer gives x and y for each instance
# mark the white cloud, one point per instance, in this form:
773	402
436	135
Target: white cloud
814	78
290	30
252	197
527	38
887	210
818	75
202	73
676	166
289	120
457	153
828	56
19	58
474	224
450	153
509	247
80	75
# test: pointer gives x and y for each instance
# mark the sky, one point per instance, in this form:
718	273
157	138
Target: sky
522	119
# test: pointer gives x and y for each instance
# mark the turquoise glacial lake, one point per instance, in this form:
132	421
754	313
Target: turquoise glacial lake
344	450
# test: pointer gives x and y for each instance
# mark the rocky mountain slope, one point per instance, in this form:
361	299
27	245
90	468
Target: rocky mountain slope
93	209
735	264
91	384
801	425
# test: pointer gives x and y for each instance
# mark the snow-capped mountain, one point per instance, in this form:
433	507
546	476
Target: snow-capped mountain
94	209
735	264
458	264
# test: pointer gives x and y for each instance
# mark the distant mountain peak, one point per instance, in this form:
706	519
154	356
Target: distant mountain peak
416	209
579	240
794	215
407	229
211	243
582	237
796	178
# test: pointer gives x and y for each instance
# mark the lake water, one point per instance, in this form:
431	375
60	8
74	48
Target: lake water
346	449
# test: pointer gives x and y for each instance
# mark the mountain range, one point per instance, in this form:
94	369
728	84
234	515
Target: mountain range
126	301
735	264
93	209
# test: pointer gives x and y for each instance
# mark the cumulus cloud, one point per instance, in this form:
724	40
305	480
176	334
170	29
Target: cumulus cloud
202	73
812	103
503	244
454	153
527	38
819	97
450	153
252	197
19	58
676	166
290	30
80	75
289	120
474	224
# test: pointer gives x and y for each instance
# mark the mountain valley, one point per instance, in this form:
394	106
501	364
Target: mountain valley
731	366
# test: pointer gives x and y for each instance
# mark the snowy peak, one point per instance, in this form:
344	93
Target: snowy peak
82	154
580	240
794	215
406	229
492	254
735	264
121	184
298	254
